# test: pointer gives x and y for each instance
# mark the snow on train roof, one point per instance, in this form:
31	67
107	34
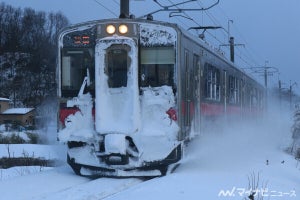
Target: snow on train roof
3	99
17	111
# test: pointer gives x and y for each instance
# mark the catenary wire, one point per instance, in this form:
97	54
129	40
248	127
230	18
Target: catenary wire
109	10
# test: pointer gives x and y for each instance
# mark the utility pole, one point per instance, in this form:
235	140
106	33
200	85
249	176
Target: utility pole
291	93
279	86
228	28
124	9
266	74
232	45
265	70
231	42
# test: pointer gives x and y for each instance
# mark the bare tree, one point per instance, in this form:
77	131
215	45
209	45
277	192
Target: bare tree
31	37
255	193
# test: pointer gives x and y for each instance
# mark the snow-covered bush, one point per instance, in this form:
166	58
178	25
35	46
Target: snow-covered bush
18	138
25	161
12	139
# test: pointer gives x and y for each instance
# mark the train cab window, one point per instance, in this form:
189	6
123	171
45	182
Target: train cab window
157	66
212	82
74	65
117	64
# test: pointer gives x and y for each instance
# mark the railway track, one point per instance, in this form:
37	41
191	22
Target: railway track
94	190
61	183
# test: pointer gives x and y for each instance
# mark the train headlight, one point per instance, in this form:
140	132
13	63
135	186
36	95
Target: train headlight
123	29
110	29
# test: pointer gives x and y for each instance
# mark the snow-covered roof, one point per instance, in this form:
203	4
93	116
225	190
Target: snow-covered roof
17	111
3	99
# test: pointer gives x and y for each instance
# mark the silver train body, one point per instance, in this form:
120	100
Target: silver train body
132	92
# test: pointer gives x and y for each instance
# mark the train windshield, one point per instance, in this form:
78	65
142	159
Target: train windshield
157	66
117	64
75	63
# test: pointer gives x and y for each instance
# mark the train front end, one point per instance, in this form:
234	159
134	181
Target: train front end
122	122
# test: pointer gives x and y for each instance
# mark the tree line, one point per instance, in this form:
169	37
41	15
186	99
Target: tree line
28	51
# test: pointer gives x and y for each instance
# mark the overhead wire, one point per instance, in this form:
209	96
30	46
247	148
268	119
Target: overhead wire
237	30
247	46
248	60
182	23
198	24
109	10
214	20
194	21
191	18
185	14
251	62
116	2
249	49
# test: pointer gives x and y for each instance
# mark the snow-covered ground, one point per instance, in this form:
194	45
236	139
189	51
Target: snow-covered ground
223	163
226	166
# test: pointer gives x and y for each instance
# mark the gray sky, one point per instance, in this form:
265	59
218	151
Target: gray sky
269	29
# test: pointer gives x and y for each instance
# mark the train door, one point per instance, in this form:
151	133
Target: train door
117	93
187	101
197	92
225	93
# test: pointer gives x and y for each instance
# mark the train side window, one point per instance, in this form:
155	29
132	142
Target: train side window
212	82
248	94
234	90
196	66
254	97
261	103
157	66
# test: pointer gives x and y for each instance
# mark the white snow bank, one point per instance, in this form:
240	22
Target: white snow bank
92	190
40	185
218	164
12	172
155	103
22	135
157	128
79	126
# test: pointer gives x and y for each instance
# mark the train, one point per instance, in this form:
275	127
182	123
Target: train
132	92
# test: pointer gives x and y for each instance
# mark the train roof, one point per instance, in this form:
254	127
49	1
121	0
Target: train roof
204	44
216	52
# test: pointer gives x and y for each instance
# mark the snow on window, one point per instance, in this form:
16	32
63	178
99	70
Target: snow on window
157	35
